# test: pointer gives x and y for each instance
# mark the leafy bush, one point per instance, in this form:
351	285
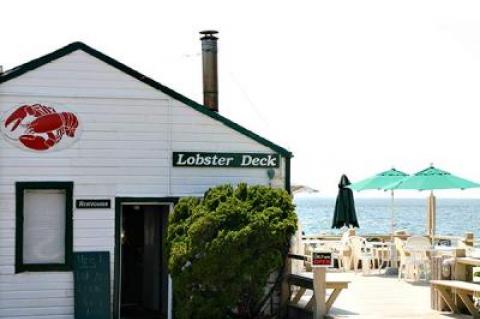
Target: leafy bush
222	249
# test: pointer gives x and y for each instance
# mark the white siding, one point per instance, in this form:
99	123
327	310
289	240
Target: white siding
130	131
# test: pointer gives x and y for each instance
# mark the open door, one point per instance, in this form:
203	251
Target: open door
143	288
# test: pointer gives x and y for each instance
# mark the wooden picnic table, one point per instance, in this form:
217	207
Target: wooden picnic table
464	290
472	261
457	291
317	281
319	302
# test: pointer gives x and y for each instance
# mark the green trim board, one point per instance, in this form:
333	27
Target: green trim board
288	186
117	250
36	63
116	258
20	188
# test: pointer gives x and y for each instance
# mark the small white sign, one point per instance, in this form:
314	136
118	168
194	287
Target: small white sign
322	259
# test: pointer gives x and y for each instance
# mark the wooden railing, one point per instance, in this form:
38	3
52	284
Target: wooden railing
468	238
336	238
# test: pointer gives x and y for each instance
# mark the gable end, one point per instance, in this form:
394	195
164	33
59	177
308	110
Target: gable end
36	63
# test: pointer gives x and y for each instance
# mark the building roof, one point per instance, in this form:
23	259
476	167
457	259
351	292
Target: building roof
36	63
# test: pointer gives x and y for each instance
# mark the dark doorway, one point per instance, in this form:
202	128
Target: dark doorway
143	284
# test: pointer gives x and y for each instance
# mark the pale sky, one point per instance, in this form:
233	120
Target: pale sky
351	87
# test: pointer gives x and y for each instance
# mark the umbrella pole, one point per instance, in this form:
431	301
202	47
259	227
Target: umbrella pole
392	270
428	228
392	211
433	216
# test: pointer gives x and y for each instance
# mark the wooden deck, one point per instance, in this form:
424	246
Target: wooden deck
377	296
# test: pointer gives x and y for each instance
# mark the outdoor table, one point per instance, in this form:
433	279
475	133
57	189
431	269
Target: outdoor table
471	261
382	250
452	289
457	288
314	243
371	248
319	281
444	248
434	251
376	244
320	242
441	250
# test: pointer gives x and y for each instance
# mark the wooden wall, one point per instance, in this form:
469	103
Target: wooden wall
130	131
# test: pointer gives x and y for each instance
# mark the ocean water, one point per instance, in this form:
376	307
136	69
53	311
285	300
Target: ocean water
454	216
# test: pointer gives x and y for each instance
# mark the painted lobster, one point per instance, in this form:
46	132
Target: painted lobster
46	129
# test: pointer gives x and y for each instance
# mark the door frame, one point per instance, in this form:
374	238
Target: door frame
119	201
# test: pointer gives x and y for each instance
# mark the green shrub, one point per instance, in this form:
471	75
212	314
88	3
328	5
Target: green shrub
222	249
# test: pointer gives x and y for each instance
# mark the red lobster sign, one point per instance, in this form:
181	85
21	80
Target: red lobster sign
39	127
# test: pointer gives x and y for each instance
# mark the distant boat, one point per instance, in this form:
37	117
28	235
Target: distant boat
298	189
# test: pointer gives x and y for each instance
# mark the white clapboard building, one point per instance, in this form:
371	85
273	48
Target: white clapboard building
93	157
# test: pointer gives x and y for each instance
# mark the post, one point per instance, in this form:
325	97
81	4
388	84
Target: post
459	272
393	269
285	290
320	292
469	239
321	260
438	273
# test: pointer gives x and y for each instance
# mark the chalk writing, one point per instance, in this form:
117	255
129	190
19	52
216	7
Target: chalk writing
92	285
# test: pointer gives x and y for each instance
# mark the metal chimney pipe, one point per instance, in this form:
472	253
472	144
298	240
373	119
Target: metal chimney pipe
210	74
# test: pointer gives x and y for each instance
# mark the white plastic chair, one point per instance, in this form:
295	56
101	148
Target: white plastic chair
417	246
404	259
381	256
341	251
360	252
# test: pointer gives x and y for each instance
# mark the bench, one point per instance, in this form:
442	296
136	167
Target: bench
464	290
305	282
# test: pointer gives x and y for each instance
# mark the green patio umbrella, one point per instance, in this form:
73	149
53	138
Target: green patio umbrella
344	214
380	182
431	179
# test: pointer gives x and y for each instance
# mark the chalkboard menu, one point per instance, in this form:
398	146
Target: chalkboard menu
92	285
